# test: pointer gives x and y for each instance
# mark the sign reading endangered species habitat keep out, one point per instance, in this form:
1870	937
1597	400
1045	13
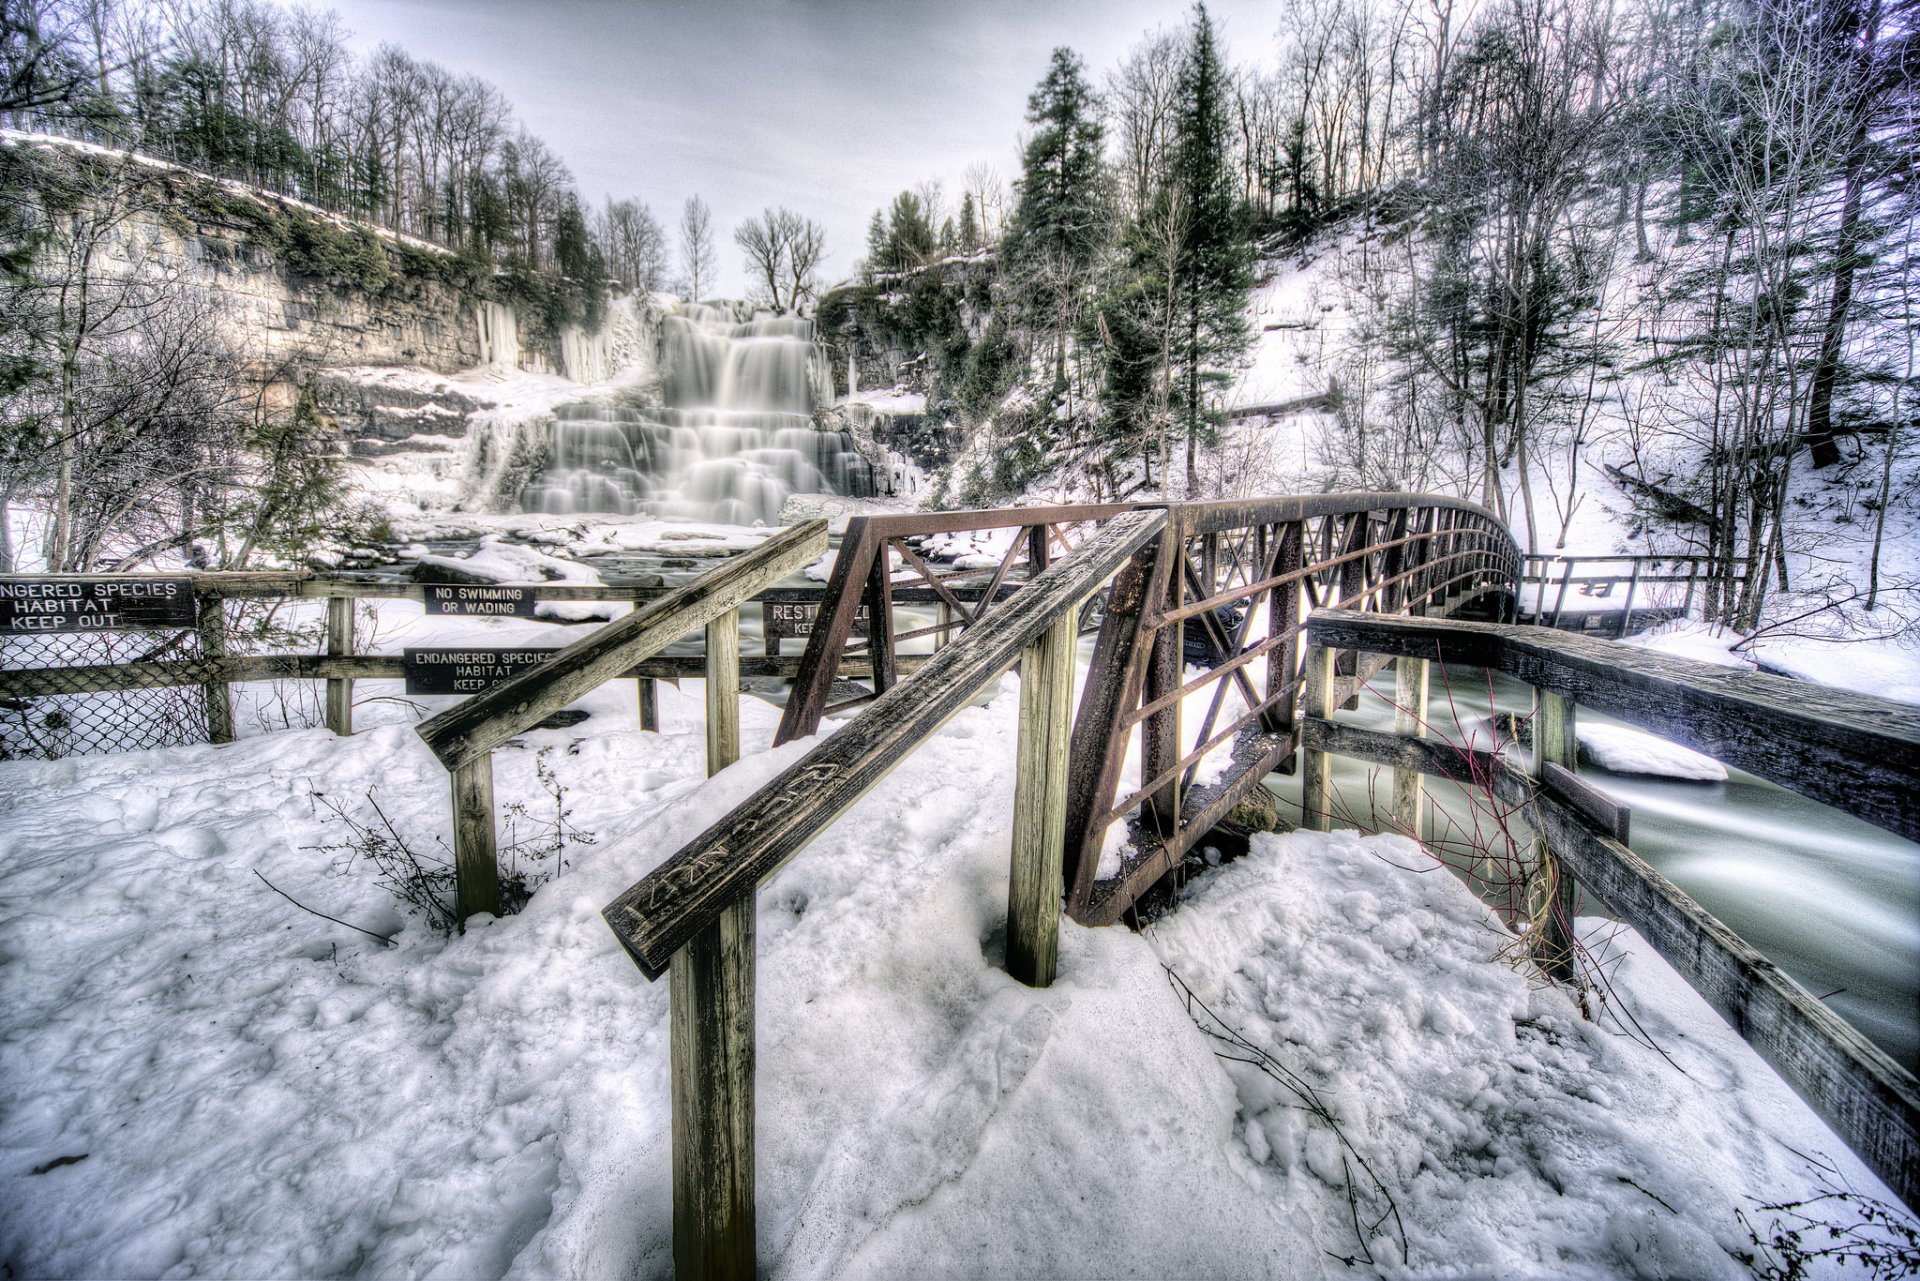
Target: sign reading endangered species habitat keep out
107	604
466	670
481	601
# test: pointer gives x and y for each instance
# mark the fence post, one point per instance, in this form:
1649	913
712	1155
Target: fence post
1316	783
1040	804
723	691
1554	742
1626	612
339	645
710	1016
649	703
476	872
213	646
1410	678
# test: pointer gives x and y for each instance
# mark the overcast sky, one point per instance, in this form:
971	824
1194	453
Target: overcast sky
829	108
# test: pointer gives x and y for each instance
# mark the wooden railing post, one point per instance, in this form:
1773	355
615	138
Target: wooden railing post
213	646
339	645
710	1046
723	691
1410	679
476	872
1283	616
1316	776
649	690
710	999
1040	804
1554	743
1160	732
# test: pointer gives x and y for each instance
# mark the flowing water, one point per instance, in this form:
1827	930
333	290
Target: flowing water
1833	900
736	436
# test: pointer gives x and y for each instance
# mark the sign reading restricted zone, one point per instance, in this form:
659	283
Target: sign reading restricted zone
109	604
476	601
466	671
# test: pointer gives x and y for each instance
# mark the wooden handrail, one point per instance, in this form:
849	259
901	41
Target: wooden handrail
1871	1101
1852	751
656	916
1758	722
483	722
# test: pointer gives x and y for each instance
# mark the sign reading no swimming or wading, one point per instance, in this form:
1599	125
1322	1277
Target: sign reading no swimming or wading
466	671
481	601
109	604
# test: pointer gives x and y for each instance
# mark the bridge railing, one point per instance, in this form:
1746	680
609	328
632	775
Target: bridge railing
693	916
1177	575
863	582
1226	591
1549	577
1851	751
464	736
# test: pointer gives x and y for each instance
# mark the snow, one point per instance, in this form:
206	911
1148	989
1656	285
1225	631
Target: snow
897	401
1881	666
255	1091
1626	750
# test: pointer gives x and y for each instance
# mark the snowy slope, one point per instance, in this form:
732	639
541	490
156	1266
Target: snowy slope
209	1081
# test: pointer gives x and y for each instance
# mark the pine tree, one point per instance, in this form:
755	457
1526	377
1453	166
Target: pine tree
1060	225
1213	270
969	226
879	253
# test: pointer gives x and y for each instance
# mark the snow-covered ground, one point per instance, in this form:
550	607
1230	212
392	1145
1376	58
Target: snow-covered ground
208	1080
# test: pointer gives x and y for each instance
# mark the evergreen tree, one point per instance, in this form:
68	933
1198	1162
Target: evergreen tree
969	232
1060	225
1212	276
878	252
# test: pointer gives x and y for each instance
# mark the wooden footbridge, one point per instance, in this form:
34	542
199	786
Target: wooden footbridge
1225	638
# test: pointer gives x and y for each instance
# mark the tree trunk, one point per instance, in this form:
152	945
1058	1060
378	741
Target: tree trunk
1824	449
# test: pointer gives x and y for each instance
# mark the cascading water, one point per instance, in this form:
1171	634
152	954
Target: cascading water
735	440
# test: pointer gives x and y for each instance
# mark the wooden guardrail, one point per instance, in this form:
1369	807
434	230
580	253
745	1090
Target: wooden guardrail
692	917
464	736
1560	572
341	664
1851	751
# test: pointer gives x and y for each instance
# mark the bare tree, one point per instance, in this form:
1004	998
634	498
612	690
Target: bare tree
633	243
698	260
782	251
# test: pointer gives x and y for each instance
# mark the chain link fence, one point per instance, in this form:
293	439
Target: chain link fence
46	727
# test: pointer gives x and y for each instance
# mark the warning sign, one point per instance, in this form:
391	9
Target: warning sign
107	604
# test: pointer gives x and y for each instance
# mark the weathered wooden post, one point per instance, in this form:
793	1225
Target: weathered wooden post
723	691
1559	601
1283	616
1040	804
1410	679
1160	732
339	645
213	647
649	704
476	873
1554	743
1316	781
1626	611
710	1013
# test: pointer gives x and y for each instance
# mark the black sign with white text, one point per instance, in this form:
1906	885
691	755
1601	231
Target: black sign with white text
110	604
787	613
466	670
481	601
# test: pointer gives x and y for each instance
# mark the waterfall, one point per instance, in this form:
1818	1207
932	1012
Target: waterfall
735	439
